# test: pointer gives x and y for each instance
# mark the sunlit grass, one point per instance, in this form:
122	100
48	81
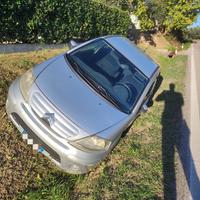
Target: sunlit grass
132	171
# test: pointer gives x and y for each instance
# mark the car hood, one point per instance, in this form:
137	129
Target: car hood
75	99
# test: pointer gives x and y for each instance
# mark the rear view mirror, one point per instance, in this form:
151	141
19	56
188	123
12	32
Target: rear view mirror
72	44
144	108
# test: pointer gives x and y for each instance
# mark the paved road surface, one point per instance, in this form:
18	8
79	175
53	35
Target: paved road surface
196	54
195	122
188	176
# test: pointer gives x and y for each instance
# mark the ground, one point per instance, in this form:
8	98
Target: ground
136	169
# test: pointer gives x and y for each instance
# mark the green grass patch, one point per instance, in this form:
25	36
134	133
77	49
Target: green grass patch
134	170
187	45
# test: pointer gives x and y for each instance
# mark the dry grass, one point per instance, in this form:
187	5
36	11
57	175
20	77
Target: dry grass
132	171
19	165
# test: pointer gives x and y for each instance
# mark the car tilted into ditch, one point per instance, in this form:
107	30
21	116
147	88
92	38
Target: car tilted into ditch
75	107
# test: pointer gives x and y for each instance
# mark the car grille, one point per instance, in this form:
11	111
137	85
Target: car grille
59	124
35	138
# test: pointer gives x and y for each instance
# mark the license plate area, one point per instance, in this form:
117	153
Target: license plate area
32	139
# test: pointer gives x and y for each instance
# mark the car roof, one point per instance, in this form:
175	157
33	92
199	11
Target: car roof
143	62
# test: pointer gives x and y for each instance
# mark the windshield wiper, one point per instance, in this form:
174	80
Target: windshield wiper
107	95
73	63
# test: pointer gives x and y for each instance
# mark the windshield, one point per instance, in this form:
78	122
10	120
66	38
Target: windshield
109	73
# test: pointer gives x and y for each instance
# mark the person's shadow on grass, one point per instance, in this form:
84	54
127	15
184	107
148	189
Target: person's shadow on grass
175	136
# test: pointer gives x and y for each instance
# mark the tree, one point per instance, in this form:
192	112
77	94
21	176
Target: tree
157	10
193	33
170	15
122	4
180	14
166	15
140	9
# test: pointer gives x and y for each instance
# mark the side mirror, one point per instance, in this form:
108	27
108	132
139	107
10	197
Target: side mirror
144	108
72	44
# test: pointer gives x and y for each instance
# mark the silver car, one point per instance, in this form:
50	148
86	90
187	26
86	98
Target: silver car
74	107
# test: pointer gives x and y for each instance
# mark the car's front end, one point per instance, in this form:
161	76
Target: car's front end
72	155
69	120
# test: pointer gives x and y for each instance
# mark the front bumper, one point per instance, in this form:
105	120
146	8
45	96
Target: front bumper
65	156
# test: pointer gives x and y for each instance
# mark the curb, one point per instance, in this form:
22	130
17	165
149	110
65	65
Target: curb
17	48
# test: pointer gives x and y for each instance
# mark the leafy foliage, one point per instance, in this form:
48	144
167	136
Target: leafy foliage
50	21
166	15
58	21
140	9
122	4
180	14
157	10
14	16
82	19
193	33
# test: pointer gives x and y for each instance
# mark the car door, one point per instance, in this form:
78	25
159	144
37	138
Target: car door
148	100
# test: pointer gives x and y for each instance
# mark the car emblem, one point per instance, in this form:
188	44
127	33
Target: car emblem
48	118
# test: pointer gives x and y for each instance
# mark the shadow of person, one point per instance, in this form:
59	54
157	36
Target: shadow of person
187	162
171	130
176	136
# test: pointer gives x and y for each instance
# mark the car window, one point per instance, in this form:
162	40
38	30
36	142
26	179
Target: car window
119	78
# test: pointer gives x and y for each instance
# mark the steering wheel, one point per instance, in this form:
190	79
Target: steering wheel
127	88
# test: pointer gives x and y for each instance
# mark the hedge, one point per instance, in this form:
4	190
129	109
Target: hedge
58	21
14	16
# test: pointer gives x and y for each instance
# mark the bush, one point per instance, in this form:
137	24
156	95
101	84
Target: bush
62	20
193	33
14	16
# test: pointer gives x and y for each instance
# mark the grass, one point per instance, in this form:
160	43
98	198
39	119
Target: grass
187	45
134	170
177	44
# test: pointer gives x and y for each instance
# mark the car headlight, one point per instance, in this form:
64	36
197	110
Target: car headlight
26	82
91	143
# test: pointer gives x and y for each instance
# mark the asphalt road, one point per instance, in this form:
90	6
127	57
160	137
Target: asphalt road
188	176
194	145
196	54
